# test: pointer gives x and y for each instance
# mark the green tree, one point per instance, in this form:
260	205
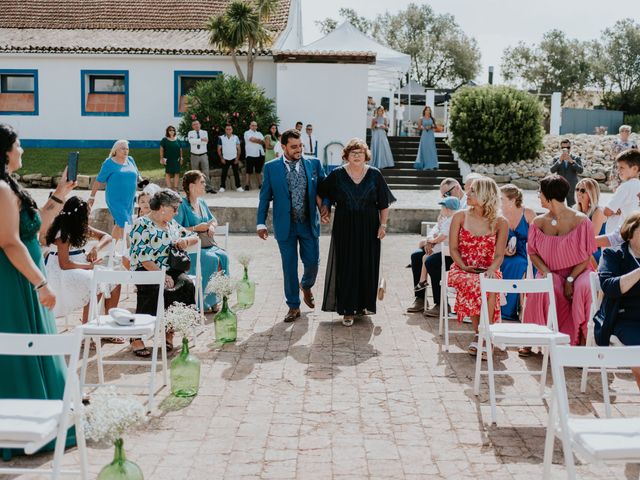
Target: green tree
224	100
363	24
441	53
242	24
557	64
495	124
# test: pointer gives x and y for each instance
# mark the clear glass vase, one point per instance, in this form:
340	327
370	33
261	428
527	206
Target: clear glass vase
120	468
185	372
226	323
246	291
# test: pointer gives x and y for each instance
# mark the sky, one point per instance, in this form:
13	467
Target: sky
495	24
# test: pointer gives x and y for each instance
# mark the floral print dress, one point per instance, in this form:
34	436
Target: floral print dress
476	251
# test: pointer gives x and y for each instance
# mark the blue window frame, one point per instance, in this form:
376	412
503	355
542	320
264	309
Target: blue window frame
114	82
20	81
185	80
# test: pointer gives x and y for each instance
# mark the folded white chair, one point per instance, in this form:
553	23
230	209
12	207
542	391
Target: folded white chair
514	334
145	327
30	424
593	439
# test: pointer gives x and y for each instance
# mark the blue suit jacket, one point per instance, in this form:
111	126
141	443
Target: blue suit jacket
275	188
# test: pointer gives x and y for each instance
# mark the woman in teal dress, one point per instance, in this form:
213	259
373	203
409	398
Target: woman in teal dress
427	158
194	215
25	297
171	157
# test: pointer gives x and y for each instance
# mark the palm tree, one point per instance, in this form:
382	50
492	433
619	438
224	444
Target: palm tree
243	23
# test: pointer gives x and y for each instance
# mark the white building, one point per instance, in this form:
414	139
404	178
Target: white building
82	73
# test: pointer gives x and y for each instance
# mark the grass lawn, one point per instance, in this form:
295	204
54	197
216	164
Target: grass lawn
51	161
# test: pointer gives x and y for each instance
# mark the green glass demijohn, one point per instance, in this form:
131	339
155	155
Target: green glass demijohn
246	291
120	468
226	324
185	372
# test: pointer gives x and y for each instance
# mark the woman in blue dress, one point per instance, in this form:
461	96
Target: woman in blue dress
588	202
119	173
25	296
381	156
194	215
427	153
514	265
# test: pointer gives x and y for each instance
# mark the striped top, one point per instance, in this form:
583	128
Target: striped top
562	252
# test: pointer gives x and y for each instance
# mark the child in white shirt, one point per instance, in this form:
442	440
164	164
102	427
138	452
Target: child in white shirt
438	235
625	199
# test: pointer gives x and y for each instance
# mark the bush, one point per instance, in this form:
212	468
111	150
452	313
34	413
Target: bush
628	102
227	100
633	121
495	124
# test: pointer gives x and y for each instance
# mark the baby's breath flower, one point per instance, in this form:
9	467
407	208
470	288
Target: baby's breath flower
221	285
181	317
110	415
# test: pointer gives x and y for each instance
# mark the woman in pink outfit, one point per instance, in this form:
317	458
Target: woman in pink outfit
561	243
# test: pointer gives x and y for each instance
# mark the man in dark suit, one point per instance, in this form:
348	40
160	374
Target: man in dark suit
568	166
291	182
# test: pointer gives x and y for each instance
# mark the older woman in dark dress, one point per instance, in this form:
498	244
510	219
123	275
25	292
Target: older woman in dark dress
619	275
362	198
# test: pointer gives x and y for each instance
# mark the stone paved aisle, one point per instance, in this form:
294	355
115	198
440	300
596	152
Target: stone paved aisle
316	400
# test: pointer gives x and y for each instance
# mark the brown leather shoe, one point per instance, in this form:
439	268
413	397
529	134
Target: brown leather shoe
416	306
308	297
292	314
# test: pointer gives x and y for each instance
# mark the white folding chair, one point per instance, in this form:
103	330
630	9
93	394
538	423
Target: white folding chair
197	279
447	294
30	424
145	327
223	231
425	228
593	439
514	334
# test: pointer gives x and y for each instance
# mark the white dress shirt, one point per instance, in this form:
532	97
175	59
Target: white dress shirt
198	141
253	149
309	143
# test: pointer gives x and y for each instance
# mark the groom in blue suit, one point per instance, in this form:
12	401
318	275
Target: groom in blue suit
291	182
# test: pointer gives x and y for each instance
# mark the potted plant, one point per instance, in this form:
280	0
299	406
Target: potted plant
185	368
246	289
226	321
106	419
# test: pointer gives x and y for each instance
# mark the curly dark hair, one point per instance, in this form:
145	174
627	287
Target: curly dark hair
72	223
8	137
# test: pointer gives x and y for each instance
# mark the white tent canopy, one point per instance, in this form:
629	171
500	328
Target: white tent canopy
389	67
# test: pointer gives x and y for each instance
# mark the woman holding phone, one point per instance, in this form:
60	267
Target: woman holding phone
194	215
477	241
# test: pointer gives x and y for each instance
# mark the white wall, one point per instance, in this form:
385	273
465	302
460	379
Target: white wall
151	94
332	97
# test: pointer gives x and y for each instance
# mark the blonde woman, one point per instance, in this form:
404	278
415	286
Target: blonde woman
119	174
588	202
477	242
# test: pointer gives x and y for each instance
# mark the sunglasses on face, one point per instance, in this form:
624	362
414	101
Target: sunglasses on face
448	192
581	190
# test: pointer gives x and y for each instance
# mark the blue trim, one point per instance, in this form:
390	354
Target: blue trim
107	144
84	74
36	102
176	84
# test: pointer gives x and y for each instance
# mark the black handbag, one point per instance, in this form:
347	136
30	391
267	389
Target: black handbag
179	259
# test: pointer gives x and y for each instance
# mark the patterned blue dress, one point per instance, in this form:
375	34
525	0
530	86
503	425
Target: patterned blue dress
381	156
211	258
514	267
427	153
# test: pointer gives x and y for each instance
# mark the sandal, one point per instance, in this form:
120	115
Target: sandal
168	340
525	352
421	286
140	352
347	321
114	340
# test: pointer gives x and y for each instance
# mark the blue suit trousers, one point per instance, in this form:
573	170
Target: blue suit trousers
299	234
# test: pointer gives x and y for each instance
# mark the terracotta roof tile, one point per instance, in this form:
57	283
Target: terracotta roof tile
120	14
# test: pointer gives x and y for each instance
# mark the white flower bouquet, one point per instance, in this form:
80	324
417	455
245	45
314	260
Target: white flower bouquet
245	259
182	318
221	285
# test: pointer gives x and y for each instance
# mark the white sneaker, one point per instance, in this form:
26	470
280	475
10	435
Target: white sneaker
221	190
239	189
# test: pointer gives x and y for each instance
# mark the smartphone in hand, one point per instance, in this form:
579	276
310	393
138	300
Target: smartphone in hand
72	166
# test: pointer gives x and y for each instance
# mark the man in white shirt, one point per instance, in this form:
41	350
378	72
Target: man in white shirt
309	141
198	140
254	154
229	153
625	199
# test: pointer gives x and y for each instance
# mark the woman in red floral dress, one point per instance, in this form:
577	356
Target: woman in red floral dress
477	241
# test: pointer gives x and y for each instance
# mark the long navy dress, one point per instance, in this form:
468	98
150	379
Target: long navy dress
351	280
514	267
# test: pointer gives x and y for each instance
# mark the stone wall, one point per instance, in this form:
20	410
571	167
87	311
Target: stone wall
595	151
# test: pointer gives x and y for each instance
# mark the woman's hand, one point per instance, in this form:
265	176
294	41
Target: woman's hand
212	230
64	186
382	232
92	256
47	297
509	253
201	227
182	244
168	282
490	273
568	290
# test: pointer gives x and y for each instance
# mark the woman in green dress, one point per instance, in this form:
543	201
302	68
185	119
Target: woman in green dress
171	157
25	297
270	141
